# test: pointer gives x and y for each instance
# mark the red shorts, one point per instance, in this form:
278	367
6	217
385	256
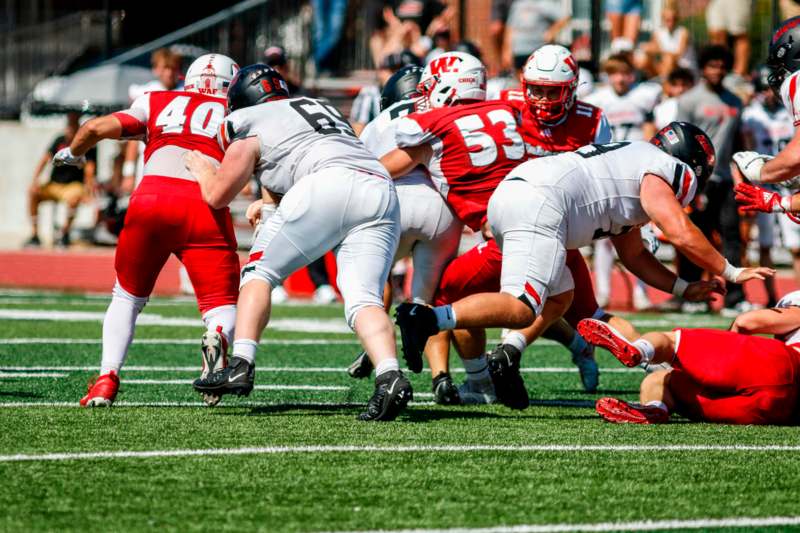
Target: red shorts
478	270
168	216
727	377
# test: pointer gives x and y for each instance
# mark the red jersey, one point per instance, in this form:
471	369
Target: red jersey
171	123
474	147
584	124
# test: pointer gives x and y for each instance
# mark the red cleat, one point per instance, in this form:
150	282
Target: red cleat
601	334
621	412
102	391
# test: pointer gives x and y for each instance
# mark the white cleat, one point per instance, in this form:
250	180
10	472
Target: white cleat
325	295
477	392
279	295
214	351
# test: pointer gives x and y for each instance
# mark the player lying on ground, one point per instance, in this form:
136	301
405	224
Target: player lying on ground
167	215
728	377
330	193
547	206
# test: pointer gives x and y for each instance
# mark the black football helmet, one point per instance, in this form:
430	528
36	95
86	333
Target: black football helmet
784	53
401	86
256	84
468	47
689	144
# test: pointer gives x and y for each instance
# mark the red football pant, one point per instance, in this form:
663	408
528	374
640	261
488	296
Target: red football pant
478	270
168	216
727	377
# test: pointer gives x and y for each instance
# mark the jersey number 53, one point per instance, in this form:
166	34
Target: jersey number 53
482	146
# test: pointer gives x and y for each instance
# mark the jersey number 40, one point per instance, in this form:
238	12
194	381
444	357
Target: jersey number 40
205	118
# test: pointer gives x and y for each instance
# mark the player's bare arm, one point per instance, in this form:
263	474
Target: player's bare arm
220	186
660	204
775	321
94	131
401	161
765	169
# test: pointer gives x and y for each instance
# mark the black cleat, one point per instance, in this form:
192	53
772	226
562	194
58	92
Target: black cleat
392	394
236	378
417	323
445	391
360	368
503	365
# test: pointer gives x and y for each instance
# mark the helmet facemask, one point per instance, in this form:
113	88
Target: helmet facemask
550	101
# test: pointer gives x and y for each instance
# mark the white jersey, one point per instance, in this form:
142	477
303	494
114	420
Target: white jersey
299	136
597	187
627	113
790	300
770	131
790	95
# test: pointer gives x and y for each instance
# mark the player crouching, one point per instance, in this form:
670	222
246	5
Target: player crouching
726	377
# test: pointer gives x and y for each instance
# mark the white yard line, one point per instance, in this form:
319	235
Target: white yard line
257	387
195	342
124	403
293	369
643	525
280	450
32	374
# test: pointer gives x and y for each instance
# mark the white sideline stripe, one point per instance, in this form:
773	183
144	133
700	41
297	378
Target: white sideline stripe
272	450
310	369
123	403
31	374
196	342
318	325
644	525
257	387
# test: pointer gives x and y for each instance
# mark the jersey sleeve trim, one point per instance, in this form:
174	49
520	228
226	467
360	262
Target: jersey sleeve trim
132	127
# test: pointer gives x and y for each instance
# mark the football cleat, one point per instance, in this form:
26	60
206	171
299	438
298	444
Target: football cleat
621	412
236	378
587	367
477	391
417	323
214	350
601	334
392	394
360	368
503	365
101	391
445	391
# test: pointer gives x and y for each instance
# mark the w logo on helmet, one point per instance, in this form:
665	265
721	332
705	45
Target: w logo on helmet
443	64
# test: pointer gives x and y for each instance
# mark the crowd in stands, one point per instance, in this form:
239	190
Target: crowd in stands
646	80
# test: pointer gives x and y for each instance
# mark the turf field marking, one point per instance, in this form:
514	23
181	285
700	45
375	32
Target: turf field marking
196	342
124	403
276	450
301	369
257	387
32	374
644	525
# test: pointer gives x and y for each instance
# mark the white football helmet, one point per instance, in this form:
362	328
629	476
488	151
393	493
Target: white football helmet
453	77
550	66
211	74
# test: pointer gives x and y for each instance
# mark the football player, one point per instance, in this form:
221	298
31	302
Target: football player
167	215
549	205
726	377
329	192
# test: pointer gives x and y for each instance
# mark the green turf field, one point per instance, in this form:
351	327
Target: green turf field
292	456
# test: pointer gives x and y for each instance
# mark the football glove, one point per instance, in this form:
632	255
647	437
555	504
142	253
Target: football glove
65	157
750	164
752	198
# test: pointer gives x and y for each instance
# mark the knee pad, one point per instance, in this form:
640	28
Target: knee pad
138	301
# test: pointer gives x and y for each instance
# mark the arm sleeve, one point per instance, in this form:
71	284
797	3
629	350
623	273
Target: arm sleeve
678	176
134	119
410	132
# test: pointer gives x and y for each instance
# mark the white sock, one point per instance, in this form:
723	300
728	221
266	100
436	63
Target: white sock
223	317
386	365
245	349
578	344
118	327
445	317
517	340
657	403
646	348
477	369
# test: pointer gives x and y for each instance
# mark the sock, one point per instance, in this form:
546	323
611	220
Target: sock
118	327
445	317
245	349
517	340
659	404
578	345
603	264
477	369
223	317
386	365
646	348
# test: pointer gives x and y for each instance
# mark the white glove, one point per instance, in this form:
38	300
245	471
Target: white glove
65	157
750	164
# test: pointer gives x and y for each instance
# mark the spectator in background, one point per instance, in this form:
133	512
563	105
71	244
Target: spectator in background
730	19
497	31
789	9
531	24
410	25
669	46
767	127
329	19
717	111
275	57
68	185
678	82
366	105
625	18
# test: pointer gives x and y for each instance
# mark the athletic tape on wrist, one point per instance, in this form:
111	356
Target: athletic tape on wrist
679	287
730	272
